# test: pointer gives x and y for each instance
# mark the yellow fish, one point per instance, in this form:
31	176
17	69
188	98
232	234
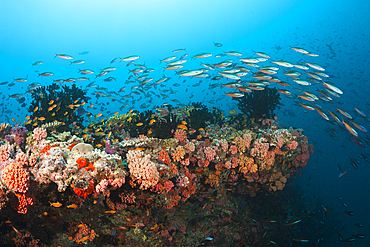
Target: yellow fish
99	133
51	102
41	118
34	110
139	124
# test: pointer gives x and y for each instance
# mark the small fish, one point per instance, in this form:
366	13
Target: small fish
99	133
64	56
46	74
349	213
16	95
110	212
235	94
83	53
359	236
82	239
72	206
37	63
182	126
293	222
342	173
55	204
301	240
139	124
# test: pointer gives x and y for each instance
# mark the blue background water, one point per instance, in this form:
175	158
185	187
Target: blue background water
337	30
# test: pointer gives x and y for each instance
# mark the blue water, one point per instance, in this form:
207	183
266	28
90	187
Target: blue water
338	31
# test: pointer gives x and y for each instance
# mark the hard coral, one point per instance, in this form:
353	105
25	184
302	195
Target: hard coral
143	172
39	134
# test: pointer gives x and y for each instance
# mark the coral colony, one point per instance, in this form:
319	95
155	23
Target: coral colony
173	177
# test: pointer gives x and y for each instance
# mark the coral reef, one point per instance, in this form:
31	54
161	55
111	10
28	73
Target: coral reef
137	190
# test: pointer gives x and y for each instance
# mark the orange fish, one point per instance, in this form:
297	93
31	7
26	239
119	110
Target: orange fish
55	204
72	206
82	225
82	239
65	113
139	124
99	115
115	113
110	212
41	118
36	109
51	102
182	127
154	227
27	117
29	121
53	114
